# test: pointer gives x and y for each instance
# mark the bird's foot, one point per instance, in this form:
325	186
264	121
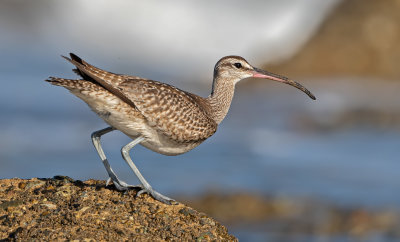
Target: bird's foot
156	195
121	185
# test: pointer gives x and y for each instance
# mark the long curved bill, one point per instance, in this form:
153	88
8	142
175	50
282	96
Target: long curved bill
258	73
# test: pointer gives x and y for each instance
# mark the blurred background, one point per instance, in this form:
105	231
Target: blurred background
281	167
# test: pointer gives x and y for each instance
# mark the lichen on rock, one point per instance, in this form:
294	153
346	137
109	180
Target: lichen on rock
61	208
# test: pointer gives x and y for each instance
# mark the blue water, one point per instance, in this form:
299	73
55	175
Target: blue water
46	132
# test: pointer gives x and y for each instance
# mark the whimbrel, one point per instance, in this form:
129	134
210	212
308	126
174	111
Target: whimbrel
159	116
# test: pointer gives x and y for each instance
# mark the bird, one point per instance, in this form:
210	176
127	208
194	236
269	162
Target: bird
157	115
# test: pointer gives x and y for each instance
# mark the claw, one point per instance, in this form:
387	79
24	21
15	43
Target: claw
121	185
157	196
108	181
140	192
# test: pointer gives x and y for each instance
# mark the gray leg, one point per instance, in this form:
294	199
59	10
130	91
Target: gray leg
120	185
146	186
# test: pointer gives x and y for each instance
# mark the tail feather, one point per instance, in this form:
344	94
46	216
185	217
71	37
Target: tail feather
107	80
77	71
60	81
73	84
93	78
77	59
87	70
79	63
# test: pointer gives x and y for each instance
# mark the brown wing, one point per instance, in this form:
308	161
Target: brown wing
176	113
106	79
169	109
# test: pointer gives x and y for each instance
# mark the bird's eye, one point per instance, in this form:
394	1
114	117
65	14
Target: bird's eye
238	65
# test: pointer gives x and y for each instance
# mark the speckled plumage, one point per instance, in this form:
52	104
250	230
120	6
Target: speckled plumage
171	120
159	116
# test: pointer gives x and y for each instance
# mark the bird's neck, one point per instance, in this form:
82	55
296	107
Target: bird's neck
220	98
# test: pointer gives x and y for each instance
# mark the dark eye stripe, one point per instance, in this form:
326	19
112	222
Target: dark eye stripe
238	65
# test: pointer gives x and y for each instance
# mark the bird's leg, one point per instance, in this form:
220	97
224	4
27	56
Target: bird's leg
146	186
120	185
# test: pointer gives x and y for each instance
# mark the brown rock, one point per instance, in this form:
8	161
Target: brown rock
64	209
359	38
291	219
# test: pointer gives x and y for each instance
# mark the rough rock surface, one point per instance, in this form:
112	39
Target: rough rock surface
63	209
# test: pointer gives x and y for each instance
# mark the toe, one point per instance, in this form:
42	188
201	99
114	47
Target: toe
108	181
157	196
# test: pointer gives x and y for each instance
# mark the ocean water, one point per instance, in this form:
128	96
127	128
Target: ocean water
258	148
274	140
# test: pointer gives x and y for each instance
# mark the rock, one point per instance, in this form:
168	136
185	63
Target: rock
63	209
359	38
283	218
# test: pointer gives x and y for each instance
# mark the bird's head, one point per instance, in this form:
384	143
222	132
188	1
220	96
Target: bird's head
236	68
